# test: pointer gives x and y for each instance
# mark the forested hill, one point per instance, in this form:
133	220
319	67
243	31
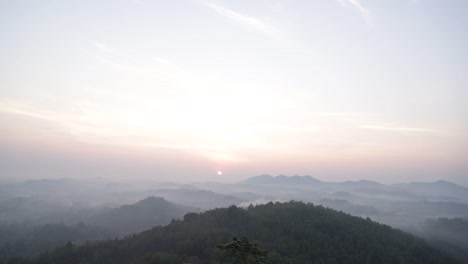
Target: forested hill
292	232
143	215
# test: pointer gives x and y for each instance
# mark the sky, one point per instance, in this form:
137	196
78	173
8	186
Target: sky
179	90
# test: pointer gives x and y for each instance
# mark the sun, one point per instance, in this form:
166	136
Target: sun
220	172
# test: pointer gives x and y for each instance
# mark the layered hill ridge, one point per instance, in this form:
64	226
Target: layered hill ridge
436	188
292	232
143	215
282	179
298	179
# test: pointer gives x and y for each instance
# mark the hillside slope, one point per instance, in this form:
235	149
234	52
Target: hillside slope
450	235
143	215
292	232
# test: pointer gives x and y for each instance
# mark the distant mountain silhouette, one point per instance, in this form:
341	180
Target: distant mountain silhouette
440	187
197	198
39	187
360	184
281	179
145	214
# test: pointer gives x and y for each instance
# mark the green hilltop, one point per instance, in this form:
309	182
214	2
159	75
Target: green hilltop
292	232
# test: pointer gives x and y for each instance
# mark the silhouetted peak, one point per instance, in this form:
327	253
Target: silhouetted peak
153	200
444	182
282	179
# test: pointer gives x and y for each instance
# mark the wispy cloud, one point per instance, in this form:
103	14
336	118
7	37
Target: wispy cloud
397	128
124	62
103	47
210	152
357	5
116	59
246	20
223	157
177	146
12	108
344	114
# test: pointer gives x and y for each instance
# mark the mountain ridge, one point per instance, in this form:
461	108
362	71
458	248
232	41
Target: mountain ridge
279	179
292	232
144	214
266	178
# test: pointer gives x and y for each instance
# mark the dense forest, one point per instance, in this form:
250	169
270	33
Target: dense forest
292	232
27	240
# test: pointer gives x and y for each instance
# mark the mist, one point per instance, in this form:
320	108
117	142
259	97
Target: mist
326	131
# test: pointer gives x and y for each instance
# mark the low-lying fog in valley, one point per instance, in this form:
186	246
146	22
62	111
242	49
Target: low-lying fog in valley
135	132
37	215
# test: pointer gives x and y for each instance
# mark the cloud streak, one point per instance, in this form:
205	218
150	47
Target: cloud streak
357	5
245	20
397	128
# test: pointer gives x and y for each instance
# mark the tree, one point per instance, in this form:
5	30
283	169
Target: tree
241	251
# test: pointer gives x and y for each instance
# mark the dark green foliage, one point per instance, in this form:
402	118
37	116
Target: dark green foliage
28	241
241	251
20	240
293	233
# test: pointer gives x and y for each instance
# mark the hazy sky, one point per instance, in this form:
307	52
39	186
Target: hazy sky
177	90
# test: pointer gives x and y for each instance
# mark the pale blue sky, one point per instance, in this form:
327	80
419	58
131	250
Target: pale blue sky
338	89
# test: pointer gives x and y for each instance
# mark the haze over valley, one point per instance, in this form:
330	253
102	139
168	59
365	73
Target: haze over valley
87	210
217	131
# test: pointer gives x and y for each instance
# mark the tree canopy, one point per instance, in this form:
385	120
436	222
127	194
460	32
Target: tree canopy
292	233
241	251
